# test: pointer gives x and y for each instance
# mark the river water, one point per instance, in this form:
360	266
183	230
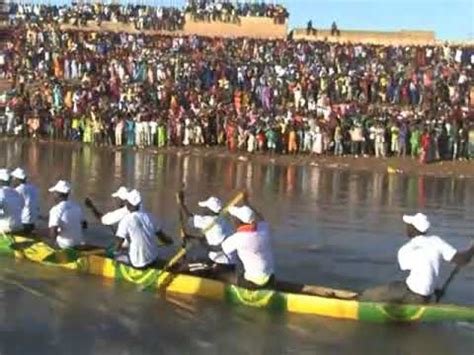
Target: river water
331	227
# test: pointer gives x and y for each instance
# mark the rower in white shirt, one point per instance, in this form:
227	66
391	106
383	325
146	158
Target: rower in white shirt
66	219
251	244
140	229
11	205
29	192
421	256
214	229
111	218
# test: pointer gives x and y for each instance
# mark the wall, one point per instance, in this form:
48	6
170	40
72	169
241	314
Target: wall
256	27
376	37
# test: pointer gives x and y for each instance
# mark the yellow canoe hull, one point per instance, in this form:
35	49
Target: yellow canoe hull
166	282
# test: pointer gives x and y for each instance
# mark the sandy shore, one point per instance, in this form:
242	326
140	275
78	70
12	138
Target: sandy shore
461	169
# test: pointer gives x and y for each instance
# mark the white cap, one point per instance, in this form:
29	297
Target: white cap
213	203
121	193
4	175
19	173
134	197
419	221
244	213
62	186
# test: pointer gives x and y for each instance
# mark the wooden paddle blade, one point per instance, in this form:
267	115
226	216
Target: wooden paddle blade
180	196
293	287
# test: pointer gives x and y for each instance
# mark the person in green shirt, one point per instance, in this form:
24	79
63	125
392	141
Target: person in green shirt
395	139
271	139
415	142
161	134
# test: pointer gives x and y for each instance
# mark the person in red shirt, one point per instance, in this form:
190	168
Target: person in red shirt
425	146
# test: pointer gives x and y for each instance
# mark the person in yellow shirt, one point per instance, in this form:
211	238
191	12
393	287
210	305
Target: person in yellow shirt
68	99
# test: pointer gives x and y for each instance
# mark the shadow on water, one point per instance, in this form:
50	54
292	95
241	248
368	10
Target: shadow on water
331	227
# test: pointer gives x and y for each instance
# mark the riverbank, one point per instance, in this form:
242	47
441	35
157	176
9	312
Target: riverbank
392	165
462	169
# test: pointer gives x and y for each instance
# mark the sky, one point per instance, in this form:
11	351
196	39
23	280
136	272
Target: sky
450	19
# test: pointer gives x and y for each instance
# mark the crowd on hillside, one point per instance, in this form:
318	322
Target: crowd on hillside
141	16
211	10
250	95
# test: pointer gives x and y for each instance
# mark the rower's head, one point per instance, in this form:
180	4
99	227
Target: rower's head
4	177
134	200
213	204
417	224
18	177
242	215
121	196
61	190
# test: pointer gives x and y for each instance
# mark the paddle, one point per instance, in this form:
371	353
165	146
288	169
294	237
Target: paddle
90	205
179	200
236	199
439	294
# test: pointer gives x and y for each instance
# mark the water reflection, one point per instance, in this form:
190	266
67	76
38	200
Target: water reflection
107	169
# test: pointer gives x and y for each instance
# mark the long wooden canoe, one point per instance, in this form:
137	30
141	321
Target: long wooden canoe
158	280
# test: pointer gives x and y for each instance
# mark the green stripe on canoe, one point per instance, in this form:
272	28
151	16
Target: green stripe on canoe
268	299
5	246
379	312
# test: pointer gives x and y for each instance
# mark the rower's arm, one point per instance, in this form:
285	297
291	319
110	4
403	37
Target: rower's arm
199	237
117	245
164	238
53	233
89	204
215	248
185	211
53	223
462	258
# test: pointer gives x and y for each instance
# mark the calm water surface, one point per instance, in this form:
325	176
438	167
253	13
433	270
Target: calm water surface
330	227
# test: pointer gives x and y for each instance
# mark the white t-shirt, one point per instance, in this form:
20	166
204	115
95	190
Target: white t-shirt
31	209
422	256
68	217
11	206
139	229
114	217
215	235
254	251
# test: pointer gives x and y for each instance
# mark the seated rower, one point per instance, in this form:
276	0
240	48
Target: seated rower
111	218
215	229
140	229
11	205
251	244
421	256
66	219
29	192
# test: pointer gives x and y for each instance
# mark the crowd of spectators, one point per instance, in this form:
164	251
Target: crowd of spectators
247	94
141	16
211	10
